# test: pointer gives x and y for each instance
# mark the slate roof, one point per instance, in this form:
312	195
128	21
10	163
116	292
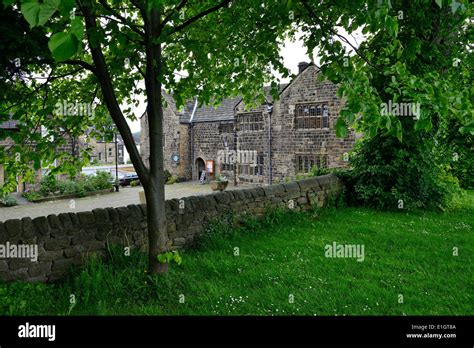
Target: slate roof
185	116
223	112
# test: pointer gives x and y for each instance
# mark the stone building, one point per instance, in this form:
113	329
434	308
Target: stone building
72	146
104	152
6	143
268	144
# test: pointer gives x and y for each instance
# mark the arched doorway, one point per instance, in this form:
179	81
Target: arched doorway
199	167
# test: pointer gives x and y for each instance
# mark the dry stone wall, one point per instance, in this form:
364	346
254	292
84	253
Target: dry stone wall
68	239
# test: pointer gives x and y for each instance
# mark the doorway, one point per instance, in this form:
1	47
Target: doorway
200	167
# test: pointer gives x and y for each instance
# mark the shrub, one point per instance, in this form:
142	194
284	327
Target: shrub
389	174
48	185
80	189
458	148
172	180
167	175
10	201
221	178
101	180
88	184
67	187
32	195
135	183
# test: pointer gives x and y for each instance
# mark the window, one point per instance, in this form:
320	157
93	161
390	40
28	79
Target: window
258	169
251	168
226	128
250	121
227	167
100	156
304	163
110	152
311	116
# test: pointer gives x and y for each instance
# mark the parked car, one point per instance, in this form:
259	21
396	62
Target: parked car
127	179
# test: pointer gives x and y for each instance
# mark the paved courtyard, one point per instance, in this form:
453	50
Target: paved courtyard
126	196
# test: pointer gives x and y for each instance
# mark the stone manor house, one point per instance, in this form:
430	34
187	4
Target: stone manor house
269	144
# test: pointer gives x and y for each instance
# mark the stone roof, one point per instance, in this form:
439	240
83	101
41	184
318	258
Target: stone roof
223	112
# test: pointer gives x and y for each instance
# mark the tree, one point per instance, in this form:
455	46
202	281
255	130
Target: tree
116	44
417	53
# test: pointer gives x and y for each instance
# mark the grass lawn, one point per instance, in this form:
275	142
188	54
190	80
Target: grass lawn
281	259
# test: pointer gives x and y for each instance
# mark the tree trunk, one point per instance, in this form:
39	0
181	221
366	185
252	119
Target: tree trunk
155	190
156	220
151	178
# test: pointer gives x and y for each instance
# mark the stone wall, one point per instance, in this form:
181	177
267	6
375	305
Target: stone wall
208	140
67	239
290	141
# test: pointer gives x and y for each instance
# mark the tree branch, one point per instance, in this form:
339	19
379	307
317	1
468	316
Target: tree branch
122	19
198	16
141	7
335	33
176	9
80	63
110	98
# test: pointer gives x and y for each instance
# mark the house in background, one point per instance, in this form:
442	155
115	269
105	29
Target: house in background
8	127
104	152
288	136
71	147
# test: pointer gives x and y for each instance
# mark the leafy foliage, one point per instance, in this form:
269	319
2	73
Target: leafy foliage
8	201
456	147
170	256
49	185
388	174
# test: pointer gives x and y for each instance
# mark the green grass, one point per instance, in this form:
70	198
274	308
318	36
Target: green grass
409	254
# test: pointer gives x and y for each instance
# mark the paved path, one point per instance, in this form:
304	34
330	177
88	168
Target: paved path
127	195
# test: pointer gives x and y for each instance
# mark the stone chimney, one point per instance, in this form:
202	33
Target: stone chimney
302	66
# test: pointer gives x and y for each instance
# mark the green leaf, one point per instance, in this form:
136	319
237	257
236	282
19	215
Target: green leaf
47	9
454	6
399	131
77	27
439	3
30	10
66	7
177	258
388	122
372	131
7	3
423	124
63	46
341	128
392	26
